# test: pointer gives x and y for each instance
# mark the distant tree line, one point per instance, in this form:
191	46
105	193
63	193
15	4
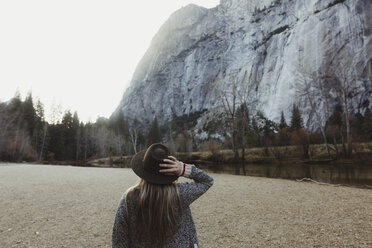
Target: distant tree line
26	135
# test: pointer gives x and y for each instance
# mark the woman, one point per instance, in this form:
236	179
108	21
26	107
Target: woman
155	212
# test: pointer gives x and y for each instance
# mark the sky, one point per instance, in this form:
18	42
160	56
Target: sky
77	54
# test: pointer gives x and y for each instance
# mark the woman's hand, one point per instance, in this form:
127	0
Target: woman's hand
173	166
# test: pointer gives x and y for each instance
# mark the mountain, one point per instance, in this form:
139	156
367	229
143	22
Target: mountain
258	45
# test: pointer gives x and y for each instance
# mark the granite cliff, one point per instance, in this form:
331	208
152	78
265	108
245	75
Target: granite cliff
198	52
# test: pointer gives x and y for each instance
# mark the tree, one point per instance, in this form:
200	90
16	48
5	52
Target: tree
171	144
44	140
119	124
154	132
68	136
102	140
182	142
246	101
334	127
341	75
14	108
56	113
15	133
8	121
134	132
253	134
89	147
367	124
238	93
76	132
242	115
296	119
40	133
39	111
301	137
283	123
311	89
229	103
29	114
265	129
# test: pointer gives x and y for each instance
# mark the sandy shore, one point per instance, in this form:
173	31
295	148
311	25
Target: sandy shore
64	206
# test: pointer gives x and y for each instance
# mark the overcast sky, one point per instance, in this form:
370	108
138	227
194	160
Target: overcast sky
80	54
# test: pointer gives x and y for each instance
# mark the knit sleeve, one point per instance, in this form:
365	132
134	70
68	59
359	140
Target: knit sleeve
120	237
190	191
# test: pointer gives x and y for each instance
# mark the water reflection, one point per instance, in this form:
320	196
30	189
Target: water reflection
334	174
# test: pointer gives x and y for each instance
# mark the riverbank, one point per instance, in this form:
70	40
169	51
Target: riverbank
68	206
259	155
292	155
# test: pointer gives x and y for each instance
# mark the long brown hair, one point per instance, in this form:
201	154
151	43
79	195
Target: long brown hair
157	212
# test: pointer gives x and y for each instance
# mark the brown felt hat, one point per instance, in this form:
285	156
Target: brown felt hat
146	164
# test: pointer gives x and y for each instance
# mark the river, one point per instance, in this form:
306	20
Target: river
350	174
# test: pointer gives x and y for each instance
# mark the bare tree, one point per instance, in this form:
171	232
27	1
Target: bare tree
56	113
102	137
309	87
229	102
237	97
134	129
342	77
246	101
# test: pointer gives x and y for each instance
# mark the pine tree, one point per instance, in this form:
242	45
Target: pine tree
56	144
283	123
40	132
67	127
367	124
40	111
253	136
14	108
67	119
154	133
336	117
29	114
296	120
75	132
122	125
242	117
126	129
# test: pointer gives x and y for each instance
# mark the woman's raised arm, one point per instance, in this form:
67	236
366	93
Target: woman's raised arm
190	191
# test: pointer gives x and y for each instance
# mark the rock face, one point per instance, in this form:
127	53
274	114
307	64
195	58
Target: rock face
256	44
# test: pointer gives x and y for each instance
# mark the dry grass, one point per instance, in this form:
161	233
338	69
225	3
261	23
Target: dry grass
64	206
362	153
279	154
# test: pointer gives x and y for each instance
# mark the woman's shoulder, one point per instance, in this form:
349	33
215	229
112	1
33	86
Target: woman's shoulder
131	194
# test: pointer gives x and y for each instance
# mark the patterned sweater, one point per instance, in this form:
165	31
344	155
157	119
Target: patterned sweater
185	236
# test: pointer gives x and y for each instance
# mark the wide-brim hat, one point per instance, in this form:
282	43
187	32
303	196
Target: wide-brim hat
146	164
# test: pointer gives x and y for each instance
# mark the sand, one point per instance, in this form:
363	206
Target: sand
65	206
